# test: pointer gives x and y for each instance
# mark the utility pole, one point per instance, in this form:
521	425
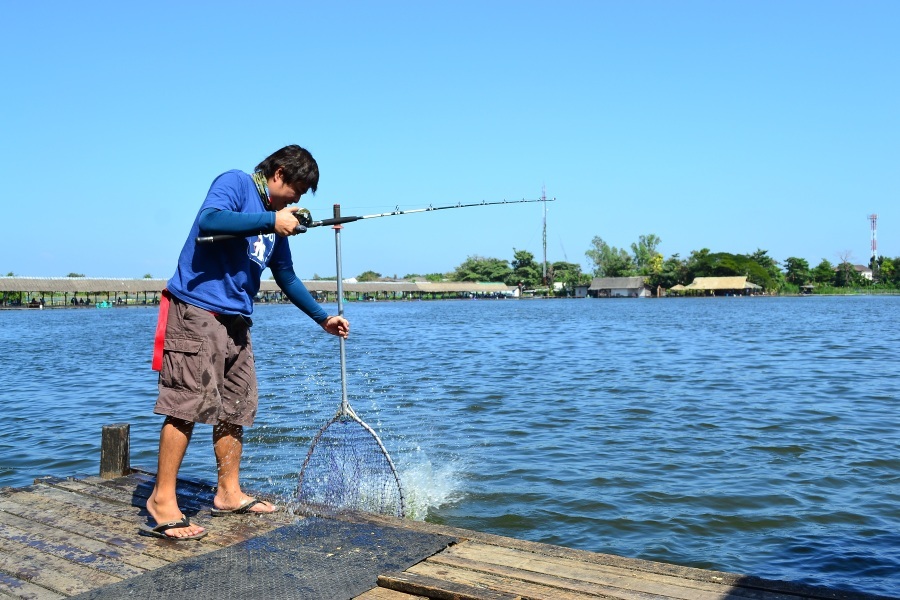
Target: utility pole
544	200
873	219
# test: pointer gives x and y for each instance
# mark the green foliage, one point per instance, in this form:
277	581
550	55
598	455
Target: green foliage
10	274
610	261
75	275
569	274
888	271
368	276
823	273
432	277
796	271
703	263
770	265
148	276
525	270
646	258
846	276
478	268
671	272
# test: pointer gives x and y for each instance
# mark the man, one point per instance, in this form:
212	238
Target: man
203	350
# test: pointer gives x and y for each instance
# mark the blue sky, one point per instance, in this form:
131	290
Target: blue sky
728	125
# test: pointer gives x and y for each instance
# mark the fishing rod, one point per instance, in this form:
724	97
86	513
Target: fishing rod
305	220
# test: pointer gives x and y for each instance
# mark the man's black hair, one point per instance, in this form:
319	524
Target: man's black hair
297	164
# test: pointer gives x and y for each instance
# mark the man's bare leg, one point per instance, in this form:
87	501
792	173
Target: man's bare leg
162	504
228	443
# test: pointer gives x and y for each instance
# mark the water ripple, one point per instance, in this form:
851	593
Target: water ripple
748	435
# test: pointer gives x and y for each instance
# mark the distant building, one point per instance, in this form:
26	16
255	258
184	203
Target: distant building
619	287
864	271
723	286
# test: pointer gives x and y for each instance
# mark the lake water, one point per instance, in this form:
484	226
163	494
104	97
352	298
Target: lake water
752	435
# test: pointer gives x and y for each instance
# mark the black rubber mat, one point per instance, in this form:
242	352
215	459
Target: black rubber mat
314	559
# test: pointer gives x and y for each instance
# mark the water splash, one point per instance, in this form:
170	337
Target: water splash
427	487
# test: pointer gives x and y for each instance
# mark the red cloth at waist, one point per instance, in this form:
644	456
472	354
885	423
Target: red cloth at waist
160	340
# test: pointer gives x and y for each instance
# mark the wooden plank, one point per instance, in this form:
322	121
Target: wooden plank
102	528
616	587
62	545
57	574
380	593
224	531
120	494
517	587
118	490
440	589
578	575
40	533
10	587
142	486
738	582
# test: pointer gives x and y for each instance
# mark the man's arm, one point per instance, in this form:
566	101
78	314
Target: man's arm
297	293
214	221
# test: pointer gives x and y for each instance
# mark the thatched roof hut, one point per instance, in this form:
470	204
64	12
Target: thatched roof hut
736	285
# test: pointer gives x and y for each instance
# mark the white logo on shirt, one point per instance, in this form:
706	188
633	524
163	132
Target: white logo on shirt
261	249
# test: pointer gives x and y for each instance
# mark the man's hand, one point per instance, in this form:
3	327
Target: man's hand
286	221
337	326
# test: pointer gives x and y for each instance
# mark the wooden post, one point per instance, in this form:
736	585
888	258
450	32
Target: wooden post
115	451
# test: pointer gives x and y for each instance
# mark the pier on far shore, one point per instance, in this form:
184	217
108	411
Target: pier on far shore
67	537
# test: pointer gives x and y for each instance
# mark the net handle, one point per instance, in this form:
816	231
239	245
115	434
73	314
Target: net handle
345	405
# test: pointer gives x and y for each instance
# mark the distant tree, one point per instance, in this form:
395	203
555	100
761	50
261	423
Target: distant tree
609	261
148	276
776	277
525	270
796	270
75	275
845	274
646	258
672	271
888	272
569	274
698	264
368	276
478	268
10	274
434	277
823	273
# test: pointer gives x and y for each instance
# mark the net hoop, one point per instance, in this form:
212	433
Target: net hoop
345	414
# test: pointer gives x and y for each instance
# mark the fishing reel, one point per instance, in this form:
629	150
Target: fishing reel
304	220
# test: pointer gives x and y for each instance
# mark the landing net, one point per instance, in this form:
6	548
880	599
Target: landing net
348	468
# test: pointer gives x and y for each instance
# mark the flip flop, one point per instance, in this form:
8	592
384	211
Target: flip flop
160	531
243	509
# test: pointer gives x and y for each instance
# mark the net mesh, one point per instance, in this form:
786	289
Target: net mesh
347	468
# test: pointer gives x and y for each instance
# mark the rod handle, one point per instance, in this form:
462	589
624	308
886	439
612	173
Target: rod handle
212	239
339	220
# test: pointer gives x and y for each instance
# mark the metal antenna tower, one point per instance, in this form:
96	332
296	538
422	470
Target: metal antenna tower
544	200
873	219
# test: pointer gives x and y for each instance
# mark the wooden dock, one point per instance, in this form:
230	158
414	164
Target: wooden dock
64	537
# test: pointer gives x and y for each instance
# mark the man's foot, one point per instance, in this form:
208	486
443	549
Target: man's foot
250	506
162	531
176	524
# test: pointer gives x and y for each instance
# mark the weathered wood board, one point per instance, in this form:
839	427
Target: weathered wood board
62	537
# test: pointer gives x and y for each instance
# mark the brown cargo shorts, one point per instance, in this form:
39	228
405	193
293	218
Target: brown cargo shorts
208	374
